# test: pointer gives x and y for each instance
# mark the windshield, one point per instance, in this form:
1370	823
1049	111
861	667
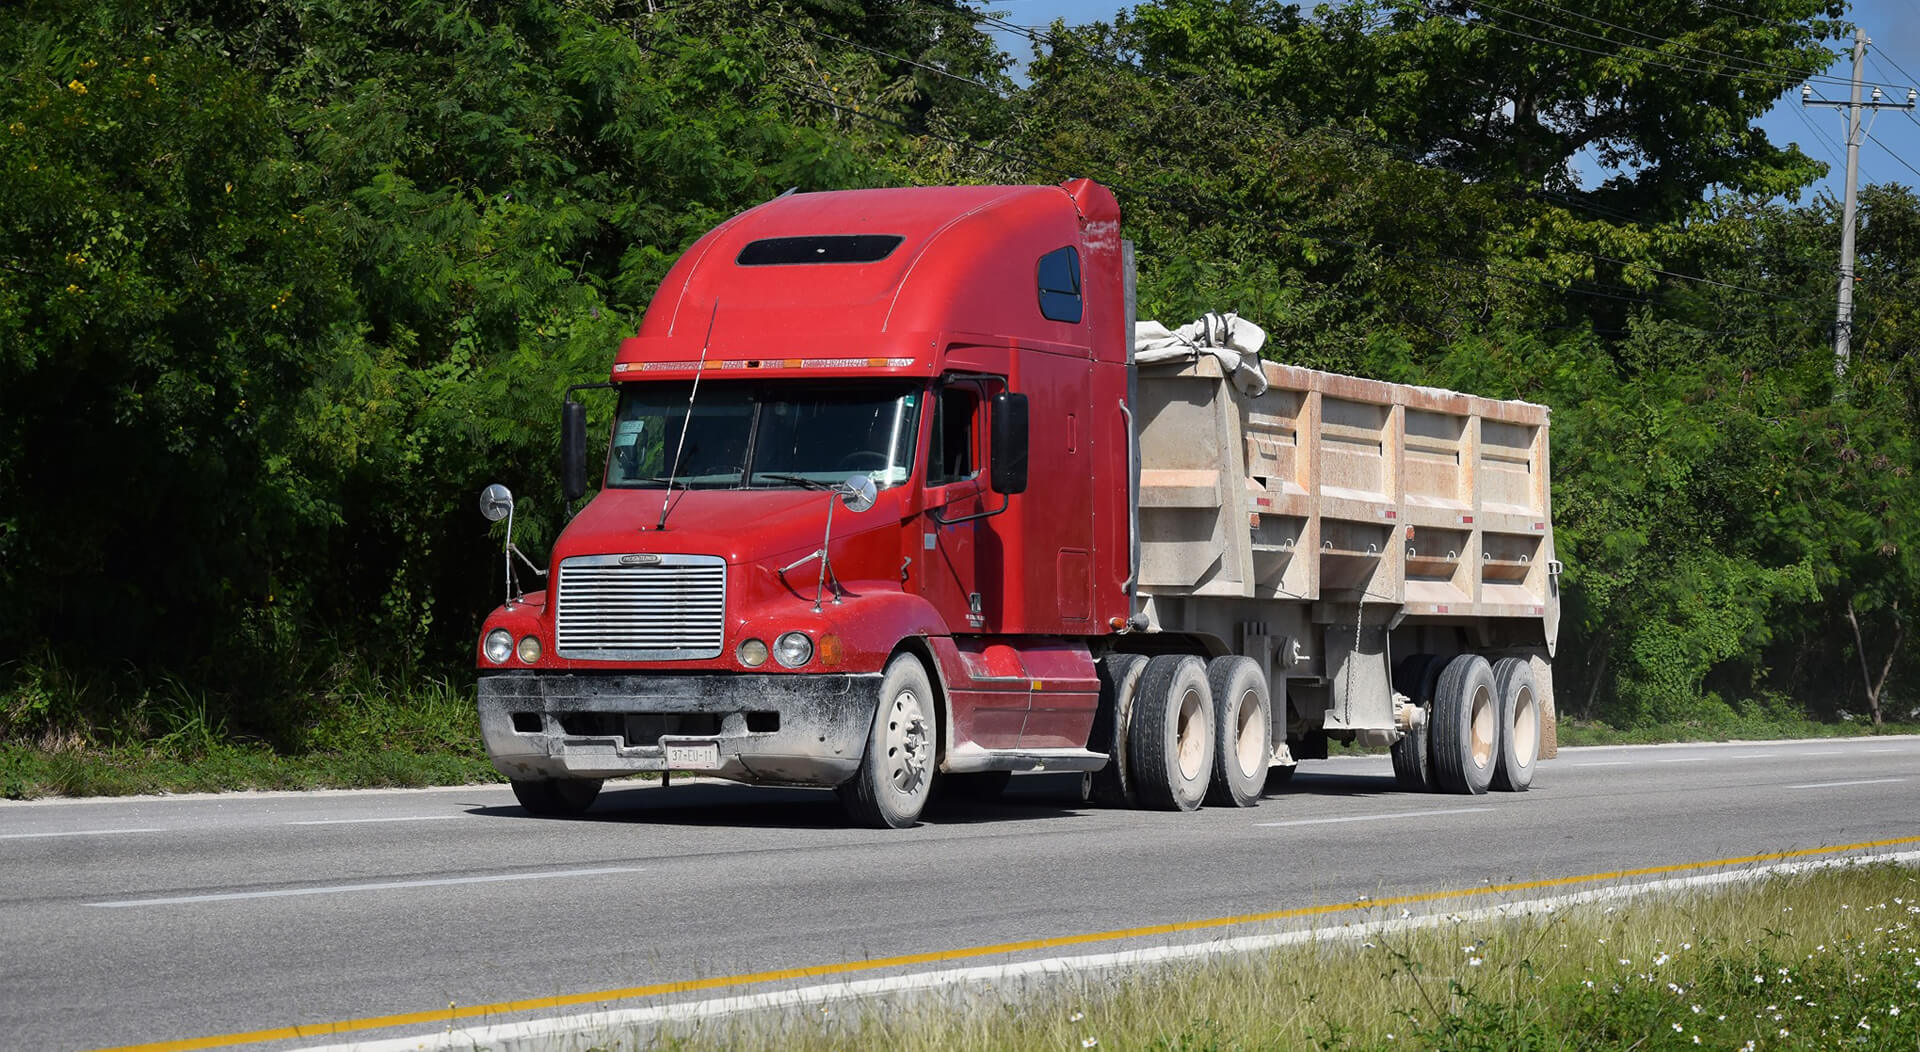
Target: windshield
762	435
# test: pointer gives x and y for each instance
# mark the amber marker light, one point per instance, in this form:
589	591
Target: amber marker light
830	652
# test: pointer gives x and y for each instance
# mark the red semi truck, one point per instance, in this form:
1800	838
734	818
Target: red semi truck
890	500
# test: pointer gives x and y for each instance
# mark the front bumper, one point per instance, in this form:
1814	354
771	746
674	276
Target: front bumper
790	730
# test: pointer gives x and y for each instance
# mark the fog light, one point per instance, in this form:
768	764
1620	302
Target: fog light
793	649
529	649
499	646
752	653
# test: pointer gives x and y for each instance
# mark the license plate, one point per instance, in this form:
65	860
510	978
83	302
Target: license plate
693	756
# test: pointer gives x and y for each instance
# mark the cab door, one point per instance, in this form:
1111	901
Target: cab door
959	556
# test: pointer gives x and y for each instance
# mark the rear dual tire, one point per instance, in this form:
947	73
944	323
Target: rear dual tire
1170	741
1242	732
1485	726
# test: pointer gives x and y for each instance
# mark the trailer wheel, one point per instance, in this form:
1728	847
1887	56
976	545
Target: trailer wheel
556	797
1466	726
1112	785
1170	741
1519	724
892	785
1242	731
1417	676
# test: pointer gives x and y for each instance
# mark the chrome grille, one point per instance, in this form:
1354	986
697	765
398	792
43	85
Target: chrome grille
615	607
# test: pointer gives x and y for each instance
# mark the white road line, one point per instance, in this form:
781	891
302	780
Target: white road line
1376	818
1605	763
619	1026
1825	752
1753	755
366	821
77	832
1836	785
1682	759
331	889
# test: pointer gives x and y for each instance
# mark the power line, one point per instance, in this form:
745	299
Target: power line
1890	153
1677	65
1737	60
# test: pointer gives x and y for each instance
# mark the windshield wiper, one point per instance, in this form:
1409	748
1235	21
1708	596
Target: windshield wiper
798	480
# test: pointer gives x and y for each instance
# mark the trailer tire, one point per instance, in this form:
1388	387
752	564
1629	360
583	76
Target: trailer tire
1170	740
1417	676
1519	724
1242	731
1112	785
896	774
556	797
1466	726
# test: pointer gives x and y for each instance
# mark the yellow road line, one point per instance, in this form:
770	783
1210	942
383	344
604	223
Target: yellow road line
447	1015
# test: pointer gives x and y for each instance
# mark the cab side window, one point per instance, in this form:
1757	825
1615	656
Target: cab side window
1059	280
952	454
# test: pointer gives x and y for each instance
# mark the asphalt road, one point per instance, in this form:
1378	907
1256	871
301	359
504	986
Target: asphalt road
158	920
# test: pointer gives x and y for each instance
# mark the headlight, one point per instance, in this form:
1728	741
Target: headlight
529	649
499	646
793	649
752	653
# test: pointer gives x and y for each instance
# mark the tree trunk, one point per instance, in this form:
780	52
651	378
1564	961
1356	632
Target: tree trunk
1874	687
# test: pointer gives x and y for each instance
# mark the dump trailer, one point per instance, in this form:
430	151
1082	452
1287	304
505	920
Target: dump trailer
897	495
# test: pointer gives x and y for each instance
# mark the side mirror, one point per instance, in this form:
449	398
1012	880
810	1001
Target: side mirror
496	502
573	450
857	493
1008	461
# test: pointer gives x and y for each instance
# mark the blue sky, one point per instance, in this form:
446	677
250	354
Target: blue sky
1892	154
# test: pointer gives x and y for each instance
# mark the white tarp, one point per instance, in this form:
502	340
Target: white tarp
1234	340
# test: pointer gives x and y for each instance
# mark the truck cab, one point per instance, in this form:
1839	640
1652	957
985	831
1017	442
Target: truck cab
864	507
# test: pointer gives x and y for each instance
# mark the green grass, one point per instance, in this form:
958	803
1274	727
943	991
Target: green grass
1818	961
65	736
1594	732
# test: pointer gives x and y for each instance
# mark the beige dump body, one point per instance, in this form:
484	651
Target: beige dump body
1333	500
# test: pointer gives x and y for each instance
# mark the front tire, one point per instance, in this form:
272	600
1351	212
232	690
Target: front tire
1170	742
556	797
1242	731
1466	726
896	775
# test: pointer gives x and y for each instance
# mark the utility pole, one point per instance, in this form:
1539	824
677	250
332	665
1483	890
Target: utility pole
1843	320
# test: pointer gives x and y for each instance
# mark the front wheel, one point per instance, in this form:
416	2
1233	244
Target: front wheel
556	797
896	775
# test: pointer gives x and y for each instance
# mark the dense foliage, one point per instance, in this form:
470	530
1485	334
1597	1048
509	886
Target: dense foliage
283	283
